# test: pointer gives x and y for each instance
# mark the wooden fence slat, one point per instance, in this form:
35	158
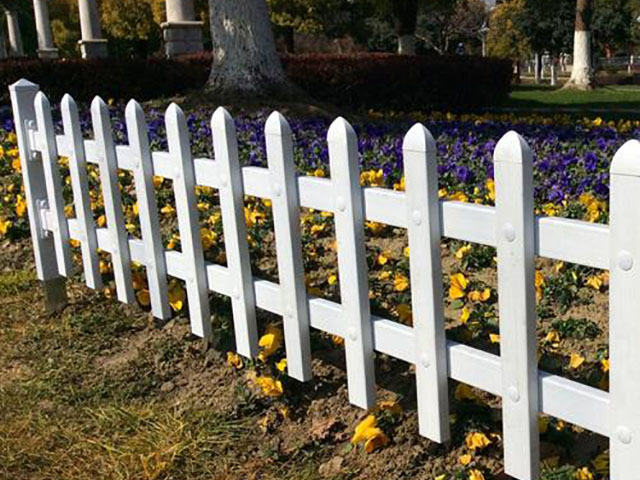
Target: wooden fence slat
286	220
184	184
423	218
148	210
513	170
53	182
352	262
624	312
243	301
80	187
108	165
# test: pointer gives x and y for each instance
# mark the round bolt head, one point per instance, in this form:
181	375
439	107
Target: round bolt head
276	189
417	217
223	180
340	204
424	360
514	394
625	260
353	335
235	294
624	434
508	232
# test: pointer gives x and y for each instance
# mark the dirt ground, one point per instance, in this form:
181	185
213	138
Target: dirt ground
101	390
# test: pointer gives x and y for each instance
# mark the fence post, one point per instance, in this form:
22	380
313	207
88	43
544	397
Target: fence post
234	225
352	263
286	224
624	310
515	236
184	184
23	95
423	219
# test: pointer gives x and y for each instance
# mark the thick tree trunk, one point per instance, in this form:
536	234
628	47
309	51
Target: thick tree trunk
582	77
245	61
405	13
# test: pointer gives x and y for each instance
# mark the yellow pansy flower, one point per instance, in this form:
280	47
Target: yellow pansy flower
269	386
400	283
176	297
576	360
270	342
458	285
282	365
477	441
234	360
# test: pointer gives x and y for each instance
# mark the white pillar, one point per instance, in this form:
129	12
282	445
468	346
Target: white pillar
182	33
46	49
3	45
15	38
92	45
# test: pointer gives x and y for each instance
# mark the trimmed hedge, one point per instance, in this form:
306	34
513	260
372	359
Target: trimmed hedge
382	80
361	81
110	78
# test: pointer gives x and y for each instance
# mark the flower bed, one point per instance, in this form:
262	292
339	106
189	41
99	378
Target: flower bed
571	179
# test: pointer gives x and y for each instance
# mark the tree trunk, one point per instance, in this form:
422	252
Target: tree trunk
405	13
582	72
537	67
245	61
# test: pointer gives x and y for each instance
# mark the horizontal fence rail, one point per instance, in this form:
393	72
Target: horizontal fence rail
510	226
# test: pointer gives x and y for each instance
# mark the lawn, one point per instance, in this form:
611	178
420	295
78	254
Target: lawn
613	98
100	390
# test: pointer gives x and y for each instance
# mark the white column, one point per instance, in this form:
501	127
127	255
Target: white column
92	45
46	49
182	33
15	38
3	45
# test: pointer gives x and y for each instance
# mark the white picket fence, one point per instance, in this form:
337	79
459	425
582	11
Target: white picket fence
511	226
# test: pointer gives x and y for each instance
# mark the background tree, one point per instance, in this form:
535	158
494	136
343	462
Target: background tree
505	38
131	27
245	61
445	23
582	75
611	25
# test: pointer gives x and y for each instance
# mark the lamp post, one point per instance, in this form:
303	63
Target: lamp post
484	31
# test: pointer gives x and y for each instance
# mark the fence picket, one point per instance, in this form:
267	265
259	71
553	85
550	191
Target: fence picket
234	226
80	187
184	184
105	148
148	210
513	170
624	305
286	220
352	262
53	182
423	219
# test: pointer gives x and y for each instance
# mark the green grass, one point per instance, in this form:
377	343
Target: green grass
618	98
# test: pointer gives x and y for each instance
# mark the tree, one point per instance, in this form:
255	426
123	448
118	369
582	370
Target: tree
611	25
582	77
444	23
245	61
131	27
506	39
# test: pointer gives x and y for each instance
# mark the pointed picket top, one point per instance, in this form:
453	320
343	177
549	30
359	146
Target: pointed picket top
626	161
174	113
419	139
340	131
42	100
98	104
277	125
512	148
133	112
23	84
222	121
68	103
